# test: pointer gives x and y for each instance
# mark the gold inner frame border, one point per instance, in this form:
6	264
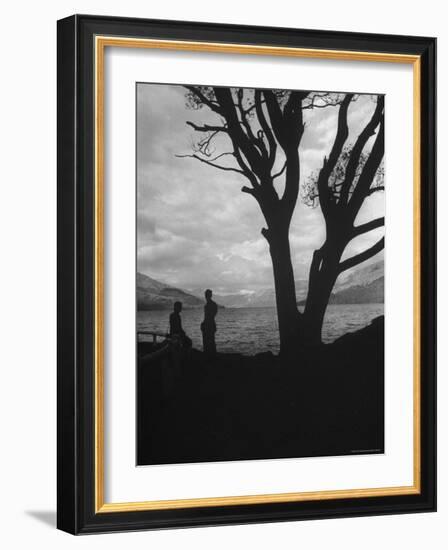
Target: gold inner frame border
100	44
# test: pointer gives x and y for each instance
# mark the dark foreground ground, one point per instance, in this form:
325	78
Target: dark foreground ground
328	401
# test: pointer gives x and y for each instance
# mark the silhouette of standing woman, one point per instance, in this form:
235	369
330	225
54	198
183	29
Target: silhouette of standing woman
176	330
208	325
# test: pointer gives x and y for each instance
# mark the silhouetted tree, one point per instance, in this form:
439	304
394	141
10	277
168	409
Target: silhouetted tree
264	129
350	174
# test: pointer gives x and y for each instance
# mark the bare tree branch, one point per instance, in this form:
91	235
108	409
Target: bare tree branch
226	154
265	127
375	189
210	163
366	227
207	127
248	190
281	171
329	164
363	186
239	138
243	116
357	149
293	107
362	257
327	99
245	168
204	145
276	116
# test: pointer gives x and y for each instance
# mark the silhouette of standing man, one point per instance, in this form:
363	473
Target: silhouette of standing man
208	325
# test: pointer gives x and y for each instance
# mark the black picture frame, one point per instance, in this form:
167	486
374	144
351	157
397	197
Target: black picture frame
76	509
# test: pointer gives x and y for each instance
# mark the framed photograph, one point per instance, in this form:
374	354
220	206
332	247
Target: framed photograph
246	274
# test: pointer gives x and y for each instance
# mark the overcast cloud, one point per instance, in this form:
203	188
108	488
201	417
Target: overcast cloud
195	228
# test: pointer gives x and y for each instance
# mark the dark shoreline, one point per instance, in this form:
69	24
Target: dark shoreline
323	401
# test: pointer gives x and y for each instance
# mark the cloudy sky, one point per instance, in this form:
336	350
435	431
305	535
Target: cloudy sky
195	228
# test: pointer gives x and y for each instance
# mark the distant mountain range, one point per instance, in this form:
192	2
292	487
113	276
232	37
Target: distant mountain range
362	275
264	297
152	294
363	286
370	293
258	298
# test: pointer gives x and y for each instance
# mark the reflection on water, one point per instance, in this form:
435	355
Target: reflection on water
254	330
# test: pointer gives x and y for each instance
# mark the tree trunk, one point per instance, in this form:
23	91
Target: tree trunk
285	290
323	275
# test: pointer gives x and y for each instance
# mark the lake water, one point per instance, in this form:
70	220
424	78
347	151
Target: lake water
254	330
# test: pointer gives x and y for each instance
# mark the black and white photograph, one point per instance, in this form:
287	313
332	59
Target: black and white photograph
260	273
